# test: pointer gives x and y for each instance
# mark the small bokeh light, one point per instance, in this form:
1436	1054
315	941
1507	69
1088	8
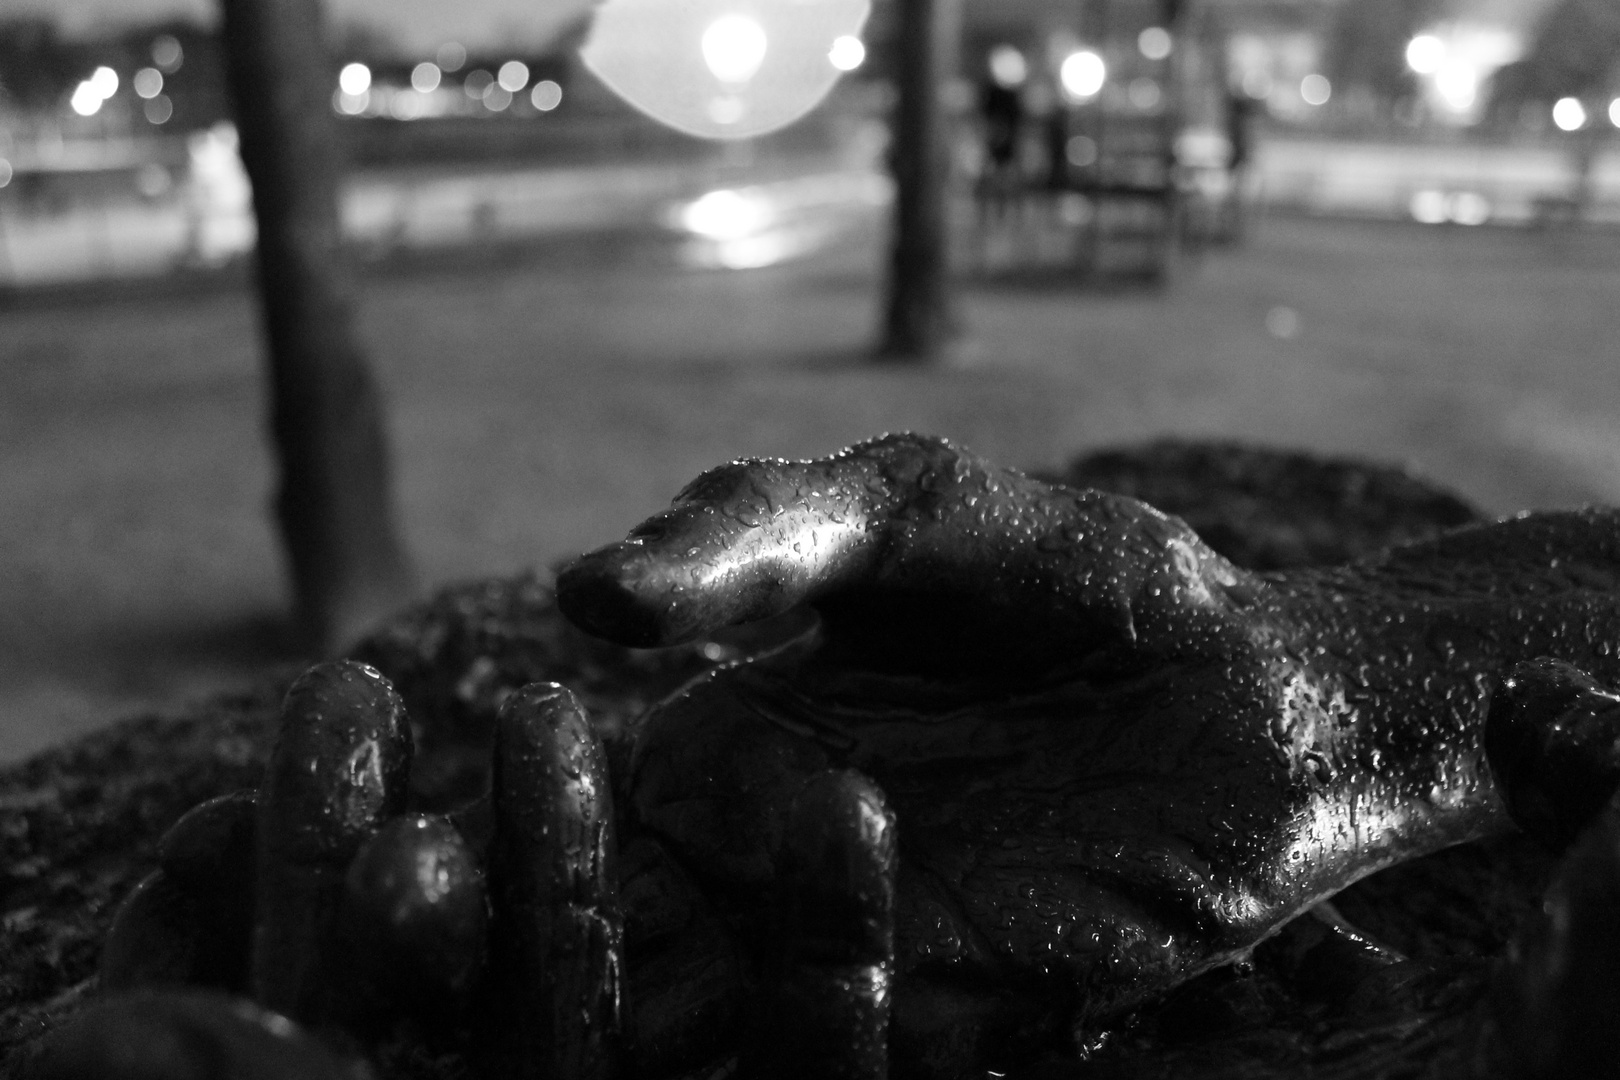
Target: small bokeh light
425	77
148	82
5	172
546	95
1154	43
1008	68
847	52
1614	112
1082	74
1080	150
158	109
1315	89
167	53
513	76
1569	114
451	56
477	84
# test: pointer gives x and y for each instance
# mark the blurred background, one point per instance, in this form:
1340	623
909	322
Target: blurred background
602	247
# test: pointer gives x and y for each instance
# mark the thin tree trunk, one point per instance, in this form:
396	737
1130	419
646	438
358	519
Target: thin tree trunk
335	502
920	318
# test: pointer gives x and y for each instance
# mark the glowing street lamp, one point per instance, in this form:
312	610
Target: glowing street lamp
724	69
734	47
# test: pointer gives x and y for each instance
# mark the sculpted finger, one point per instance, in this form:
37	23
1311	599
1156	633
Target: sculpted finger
904	539
553	883
742	542
339	770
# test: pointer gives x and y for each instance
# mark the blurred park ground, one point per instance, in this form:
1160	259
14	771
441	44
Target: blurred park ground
569	328
544	402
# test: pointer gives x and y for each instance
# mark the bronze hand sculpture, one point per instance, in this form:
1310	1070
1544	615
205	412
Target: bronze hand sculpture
1043	756
1115	759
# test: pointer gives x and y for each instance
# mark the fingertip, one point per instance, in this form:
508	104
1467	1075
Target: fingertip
605	594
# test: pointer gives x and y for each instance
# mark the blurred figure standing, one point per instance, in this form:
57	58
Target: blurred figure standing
1000	186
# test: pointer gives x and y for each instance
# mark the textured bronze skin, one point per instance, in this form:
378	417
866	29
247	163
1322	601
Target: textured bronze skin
1116	759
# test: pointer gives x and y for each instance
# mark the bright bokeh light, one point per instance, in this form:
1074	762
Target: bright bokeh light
734	48
1569	114
451	56
1458	86
148	82
167	54
1315	89
1425	54
159	109
85	101
725	215
354	79
847	52
513	76
546	95
104	82
1154	43
1082	74
1614	112
425	77
725	69
5	172
1008	66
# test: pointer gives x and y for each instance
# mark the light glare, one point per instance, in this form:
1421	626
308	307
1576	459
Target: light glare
1425	53
354	79
1569	114
1458	86
734	48
1082	73
725	215
847	52
104	82
85	101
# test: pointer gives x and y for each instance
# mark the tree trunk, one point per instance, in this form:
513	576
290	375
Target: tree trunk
335	503
920	318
